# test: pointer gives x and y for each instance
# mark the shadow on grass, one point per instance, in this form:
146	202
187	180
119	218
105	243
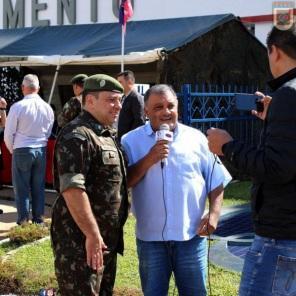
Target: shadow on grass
10	281
122	291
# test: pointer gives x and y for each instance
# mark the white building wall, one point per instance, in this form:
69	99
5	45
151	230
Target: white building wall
261	31
155	9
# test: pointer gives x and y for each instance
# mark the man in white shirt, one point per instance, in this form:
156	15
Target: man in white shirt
171	182
27	129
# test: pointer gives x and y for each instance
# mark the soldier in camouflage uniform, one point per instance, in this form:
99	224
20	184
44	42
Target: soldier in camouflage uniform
73	107
91	209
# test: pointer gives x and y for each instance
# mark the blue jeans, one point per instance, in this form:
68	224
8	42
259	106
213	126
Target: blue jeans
28	176
270	268
186	259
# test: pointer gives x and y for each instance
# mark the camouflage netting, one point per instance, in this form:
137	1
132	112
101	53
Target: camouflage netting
10	84
225	55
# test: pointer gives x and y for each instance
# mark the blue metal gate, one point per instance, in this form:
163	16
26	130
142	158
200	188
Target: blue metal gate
213	106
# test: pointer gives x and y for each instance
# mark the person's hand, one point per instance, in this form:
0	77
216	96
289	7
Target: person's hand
159	151
265	100
216	139
3	103
94	251
208	224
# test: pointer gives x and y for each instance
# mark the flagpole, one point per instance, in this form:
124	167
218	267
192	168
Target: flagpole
122	48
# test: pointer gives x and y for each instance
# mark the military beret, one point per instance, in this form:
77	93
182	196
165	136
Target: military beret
102	82
78	79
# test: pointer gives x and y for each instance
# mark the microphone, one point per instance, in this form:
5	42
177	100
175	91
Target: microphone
164	133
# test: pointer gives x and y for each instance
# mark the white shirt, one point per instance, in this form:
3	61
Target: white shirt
172	210
29	123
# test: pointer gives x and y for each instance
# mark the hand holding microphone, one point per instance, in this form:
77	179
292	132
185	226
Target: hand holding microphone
163	137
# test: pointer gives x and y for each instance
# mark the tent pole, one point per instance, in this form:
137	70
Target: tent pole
54	83
122	48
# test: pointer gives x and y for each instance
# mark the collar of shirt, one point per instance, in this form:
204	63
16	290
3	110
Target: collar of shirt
149	131
128	93
79	98
278	82
32	96
125	96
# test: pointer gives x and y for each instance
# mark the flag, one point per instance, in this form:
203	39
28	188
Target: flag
125	12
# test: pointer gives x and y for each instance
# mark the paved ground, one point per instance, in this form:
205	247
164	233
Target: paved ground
9	216
233	238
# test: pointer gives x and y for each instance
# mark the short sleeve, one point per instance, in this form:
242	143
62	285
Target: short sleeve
73	162
127	150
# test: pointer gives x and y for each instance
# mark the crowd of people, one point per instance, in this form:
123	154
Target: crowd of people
111	139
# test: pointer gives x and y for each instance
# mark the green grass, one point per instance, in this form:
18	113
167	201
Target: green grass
6	247
35	270
223	282
237	193
35	263
127	272
32	266
27	233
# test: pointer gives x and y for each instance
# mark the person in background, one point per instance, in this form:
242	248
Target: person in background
92	204
171	182
55	127
28	127
270	264
132	113
74	106
3	105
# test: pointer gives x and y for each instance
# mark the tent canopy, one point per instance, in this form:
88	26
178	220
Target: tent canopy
101	43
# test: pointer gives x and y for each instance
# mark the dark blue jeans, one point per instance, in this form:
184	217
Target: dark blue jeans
270	268
186	259
28	177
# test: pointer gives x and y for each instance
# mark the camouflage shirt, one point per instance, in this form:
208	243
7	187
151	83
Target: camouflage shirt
87	157
70	110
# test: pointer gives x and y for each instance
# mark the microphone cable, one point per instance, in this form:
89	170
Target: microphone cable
208	226
164	226
208	229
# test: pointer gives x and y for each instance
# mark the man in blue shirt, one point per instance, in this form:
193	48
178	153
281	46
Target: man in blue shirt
169	200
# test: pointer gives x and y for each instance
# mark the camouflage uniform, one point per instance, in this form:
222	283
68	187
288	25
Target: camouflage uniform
70	110
87	157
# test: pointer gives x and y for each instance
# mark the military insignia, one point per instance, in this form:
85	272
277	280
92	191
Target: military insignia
102	83
283	14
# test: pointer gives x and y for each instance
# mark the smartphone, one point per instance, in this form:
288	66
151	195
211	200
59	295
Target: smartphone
248	102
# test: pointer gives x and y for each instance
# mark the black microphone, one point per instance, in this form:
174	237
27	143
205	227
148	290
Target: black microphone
164	133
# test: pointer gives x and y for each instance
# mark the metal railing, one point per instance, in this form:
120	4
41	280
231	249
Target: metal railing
208	106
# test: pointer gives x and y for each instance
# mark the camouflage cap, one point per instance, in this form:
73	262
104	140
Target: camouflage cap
78	79
102	82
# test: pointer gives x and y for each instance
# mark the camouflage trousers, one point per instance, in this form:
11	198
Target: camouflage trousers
76	278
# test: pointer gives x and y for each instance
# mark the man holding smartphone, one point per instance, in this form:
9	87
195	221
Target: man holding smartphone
270	264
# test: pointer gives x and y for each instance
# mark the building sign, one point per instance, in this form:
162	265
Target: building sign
33	13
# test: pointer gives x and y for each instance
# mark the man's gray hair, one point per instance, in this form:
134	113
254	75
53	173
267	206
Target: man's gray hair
31	81
159	89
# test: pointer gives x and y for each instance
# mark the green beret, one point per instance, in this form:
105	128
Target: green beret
78	79
102	82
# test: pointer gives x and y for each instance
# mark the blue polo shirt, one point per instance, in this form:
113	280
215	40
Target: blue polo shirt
168	203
